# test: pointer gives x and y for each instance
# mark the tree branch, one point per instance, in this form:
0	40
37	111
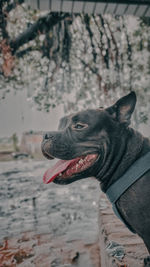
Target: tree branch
13	5
107	50
42	25
115	44
23	52
129	53
87	24
3	21
100	44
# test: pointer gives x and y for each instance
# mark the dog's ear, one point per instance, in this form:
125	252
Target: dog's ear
123	108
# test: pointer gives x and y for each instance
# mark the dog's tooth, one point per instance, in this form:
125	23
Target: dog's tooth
60	174
77	165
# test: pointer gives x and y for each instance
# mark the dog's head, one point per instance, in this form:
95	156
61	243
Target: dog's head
83	141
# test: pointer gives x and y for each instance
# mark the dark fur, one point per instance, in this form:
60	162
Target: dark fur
106	132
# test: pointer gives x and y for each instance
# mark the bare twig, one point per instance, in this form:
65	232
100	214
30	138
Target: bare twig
12	5
88	28
42	25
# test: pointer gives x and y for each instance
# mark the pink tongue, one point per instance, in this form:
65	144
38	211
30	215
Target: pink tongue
54	171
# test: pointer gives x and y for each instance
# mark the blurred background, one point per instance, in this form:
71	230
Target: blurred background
58	57
81	54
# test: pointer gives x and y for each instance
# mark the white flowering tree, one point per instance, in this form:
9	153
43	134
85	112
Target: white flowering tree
79	60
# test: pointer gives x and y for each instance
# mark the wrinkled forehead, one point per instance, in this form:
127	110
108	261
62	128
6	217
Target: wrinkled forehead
64	121
87	116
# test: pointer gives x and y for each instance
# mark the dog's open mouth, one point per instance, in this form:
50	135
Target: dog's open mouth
67	168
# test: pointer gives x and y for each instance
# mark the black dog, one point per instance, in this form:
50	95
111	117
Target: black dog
99	143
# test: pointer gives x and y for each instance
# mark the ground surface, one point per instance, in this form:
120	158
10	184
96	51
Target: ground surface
60	226
46	225
118	246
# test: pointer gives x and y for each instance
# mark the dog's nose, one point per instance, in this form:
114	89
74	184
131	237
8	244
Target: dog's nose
47	136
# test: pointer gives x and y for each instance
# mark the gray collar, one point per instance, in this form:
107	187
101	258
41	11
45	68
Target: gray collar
137	169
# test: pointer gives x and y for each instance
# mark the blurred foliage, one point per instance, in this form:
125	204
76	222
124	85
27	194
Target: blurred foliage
79	60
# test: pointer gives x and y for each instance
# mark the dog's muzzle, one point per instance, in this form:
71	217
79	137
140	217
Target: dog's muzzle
46	145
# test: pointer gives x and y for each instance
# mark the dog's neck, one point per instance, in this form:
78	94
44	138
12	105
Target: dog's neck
125	150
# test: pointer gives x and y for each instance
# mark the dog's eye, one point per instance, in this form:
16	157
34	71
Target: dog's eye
79	126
